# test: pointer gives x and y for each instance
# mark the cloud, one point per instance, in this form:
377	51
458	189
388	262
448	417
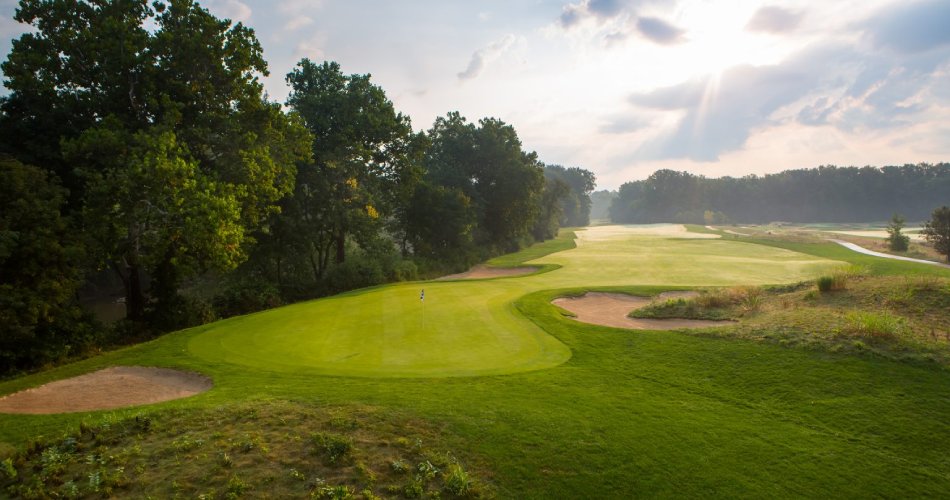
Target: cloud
771	19
234	10
483	56
659	31
604	8
312	49
298	22
828	85
911	27
573	14
624	124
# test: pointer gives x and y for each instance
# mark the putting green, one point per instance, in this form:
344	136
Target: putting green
471	327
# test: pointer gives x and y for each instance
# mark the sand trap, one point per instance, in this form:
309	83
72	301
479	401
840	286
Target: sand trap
611	309
113	387
482	271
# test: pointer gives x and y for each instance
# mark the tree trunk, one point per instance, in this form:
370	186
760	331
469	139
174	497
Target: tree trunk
132	283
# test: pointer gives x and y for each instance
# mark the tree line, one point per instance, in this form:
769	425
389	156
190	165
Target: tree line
137	140
823	194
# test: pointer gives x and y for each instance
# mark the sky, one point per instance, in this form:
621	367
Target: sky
627	87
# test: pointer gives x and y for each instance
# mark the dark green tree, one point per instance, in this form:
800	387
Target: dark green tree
897	241
488	165
937	230
364	160
40	260
439	226
121	97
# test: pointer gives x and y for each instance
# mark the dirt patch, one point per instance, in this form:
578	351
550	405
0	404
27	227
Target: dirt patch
611	309
113	387
482	272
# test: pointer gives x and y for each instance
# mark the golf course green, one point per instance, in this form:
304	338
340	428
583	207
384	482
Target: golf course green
471	327
548	406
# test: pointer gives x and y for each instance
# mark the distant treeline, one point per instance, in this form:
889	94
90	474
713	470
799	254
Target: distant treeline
823	194
137	140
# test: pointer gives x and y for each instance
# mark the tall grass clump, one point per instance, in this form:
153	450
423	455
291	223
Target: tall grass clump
831	283
883	325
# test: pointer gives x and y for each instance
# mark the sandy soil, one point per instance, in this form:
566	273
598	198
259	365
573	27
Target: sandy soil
611	309
482	271
113	387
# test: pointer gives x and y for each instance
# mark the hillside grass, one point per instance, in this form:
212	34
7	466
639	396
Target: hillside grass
628	414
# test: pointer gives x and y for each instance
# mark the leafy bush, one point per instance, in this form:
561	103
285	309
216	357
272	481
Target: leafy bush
355	272
405	270
246	297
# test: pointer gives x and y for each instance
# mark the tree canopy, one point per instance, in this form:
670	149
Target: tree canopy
155	116
826	194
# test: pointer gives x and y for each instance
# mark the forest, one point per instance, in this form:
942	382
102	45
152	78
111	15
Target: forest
139	152
823	194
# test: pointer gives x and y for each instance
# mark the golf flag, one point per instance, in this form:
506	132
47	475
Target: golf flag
422	296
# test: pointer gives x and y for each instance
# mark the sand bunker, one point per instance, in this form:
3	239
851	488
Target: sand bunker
611	309
481	272
114	387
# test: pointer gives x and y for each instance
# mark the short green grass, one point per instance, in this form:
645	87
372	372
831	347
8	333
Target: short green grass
466	328
629	413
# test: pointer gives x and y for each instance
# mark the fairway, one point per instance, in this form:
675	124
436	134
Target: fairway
471	327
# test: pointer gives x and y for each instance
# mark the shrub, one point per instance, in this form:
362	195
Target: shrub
246	297
355	272
405	270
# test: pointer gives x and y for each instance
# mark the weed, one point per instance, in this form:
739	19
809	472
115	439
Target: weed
341	492
296	474
236	487
187	443
427	470
95	481
365	473
334	447
70	490
8	469
369	495
415	488
398	466
458	482
226	460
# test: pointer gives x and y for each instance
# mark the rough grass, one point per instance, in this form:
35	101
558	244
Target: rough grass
272	449
895	317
